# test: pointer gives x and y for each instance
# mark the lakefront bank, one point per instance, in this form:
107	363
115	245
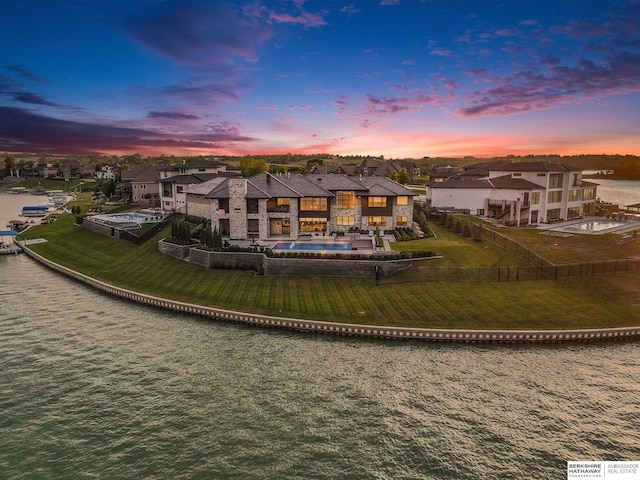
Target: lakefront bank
598	302
358	330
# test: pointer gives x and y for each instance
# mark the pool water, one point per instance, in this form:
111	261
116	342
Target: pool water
132	217
312	246
596	226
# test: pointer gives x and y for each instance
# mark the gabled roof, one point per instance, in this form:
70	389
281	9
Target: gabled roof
334	169
190	179
483	169
504	182
148	174
287	186
336	182
383	186
463	183
192	165
508	182
205	188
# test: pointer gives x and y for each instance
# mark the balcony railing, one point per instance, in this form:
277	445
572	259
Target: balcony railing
278	209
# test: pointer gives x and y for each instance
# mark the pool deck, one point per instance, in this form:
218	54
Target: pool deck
565	228
362	243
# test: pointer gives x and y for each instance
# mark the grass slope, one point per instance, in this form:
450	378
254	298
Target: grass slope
600	301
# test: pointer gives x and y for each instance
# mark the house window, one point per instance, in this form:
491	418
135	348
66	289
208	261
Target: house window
575	195
403	200
252	205
401	221
535	198
143	187
555	180
179	188
346	200
377	221
313	204
377	202
553	214
589	194
313	225
346	221
253	226
279	205
573	212
554	196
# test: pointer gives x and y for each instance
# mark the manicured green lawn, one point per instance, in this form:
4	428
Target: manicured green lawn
576	248
457	250
600	301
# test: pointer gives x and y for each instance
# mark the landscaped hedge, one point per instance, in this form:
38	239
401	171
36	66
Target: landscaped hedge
404	234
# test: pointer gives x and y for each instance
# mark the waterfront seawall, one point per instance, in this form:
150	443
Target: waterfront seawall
348	329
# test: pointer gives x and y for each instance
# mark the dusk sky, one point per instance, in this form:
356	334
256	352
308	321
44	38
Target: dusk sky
399	78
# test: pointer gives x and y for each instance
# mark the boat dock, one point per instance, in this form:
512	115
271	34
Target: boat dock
9	247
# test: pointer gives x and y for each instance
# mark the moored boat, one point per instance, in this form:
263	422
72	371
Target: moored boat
35	211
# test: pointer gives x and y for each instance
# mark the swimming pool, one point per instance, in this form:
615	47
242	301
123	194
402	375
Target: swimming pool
313	246
129	219
595	226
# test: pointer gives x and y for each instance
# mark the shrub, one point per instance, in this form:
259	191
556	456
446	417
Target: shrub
477	233
450	221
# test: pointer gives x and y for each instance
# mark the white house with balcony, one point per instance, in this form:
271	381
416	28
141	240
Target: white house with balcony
518	193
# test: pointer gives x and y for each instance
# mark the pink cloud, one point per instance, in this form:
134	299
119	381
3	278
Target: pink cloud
306	19
267	107
349	9
440	52
527	90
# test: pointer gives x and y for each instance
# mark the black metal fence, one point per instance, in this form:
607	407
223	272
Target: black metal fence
147	234
512	274
519	250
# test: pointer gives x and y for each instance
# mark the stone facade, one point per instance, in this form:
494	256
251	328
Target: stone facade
237	209
269	207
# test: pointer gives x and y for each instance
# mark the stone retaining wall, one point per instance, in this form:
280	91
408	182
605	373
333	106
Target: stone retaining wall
368	331
283	266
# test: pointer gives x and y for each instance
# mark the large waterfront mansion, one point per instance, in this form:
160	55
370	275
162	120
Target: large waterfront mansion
288	205
269	205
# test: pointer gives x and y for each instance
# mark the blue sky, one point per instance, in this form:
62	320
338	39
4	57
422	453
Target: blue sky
399	78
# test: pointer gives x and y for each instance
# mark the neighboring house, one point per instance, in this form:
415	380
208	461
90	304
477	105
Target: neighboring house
276	206
518	193
163	185
440	173
172	196
141	185
370	167
174	179
106	172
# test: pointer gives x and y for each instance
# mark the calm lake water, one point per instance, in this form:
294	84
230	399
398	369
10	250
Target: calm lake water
96	387
622	192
